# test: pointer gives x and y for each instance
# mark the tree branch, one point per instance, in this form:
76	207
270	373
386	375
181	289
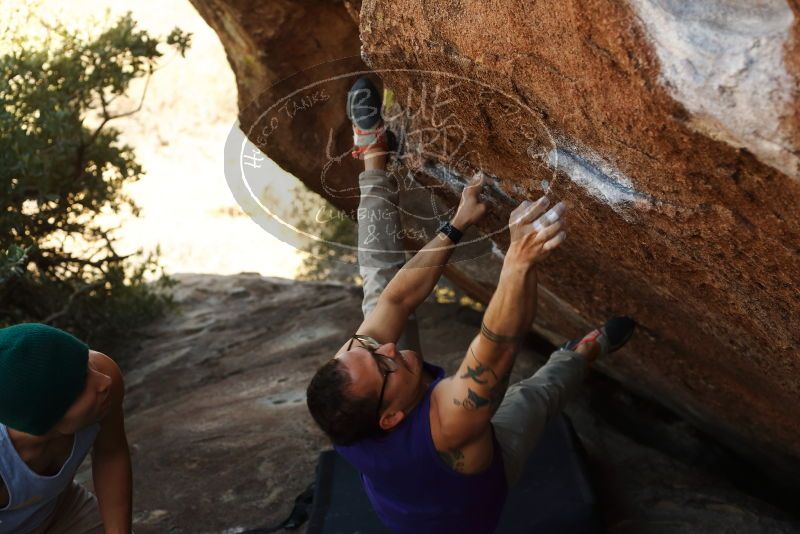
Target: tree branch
71	300
108	117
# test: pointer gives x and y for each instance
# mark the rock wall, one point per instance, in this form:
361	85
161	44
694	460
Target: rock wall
671	129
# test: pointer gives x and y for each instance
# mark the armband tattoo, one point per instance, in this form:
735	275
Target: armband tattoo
497	338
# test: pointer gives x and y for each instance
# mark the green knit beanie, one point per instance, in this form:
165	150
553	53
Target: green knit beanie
42	372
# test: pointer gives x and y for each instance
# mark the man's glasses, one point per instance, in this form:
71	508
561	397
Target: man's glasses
386	365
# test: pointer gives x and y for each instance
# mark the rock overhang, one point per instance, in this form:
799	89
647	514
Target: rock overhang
682	216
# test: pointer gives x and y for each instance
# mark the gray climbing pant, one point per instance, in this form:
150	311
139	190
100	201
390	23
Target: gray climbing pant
528	404
380	245
531	403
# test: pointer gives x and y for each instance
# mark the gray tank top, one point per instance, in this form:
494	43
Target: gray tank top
33	497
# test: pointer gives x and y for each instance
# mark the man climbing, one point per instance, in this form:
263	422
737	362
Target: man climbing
437	454
58	400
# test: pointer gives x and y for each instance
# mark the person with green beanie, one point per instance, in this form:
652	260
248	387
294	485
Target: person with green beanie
58	400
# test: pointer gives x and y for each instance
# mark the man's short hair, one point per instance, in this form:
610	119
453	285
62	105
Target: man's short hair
344	417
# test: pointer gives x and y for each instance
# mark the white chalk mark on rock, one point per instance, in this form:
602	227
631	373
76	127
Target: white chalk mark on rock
598	179
450	177
724	61
497	252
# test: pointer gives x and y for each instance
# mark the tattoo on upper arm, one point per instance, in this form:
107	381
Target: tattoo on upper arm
454	458
478	371
472	402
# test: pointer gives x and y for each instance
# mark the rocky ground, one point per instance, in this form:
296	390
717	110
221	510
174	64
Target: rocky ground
222	440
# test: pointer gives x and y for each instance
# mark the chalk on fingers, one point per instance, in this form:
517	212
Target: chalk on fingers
559	209
552	216
556	241
555	213
539	204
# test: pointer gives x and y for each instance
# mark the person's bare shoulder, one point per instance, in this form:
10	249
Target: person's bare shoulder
108	367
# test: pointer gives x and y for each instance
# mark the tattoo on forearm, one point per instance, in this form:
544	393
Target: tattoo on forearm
472	402
498	338
454	459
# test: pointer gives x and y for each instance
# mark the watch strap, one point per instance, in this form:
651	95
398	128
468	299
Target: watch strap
452	232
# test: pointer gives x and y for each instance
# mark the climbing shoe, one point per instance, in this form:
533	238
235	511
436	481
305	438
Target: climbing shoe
611	336
364	106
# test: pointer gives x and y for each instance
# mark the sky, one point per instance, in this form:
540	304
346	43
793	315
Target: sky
178	136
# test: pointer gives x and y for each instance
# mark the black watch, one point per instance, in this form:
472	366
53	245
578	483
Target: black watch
452	232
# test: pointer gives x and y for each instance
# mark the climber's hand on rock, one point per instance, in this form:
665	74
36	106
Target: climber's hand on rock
534	232
470	209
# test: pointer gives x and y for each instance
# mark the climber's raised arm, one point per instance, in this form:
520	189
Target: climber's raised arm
416	279
468	399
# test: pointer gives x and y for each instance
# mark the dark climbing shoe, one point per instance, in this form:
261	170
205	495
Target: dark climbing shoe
612	336
364	104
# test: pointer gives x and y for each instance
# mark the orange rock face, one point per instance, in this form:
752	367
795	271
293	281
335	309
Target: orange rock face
670	129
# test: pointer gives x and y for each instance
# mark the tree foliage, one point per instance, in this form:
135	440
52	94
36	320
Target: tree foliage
62	166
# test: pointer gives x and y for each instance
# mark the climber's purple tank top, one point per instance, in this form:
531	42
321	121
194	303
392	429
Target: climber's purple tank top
414	491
